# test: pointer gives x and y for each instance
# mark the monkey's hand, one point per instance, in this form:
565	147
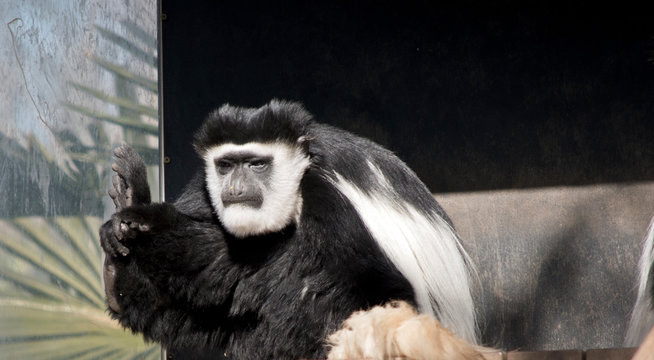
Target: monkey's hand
113	235
137	250
141	227
126	226
131	181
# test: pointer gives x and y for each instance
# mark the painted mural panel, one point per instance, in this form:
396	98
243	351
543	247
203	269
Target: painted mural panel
78	79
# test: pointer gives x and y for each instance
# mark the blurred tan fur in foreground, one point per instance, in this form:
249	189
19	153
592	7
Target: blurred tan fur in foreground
397	331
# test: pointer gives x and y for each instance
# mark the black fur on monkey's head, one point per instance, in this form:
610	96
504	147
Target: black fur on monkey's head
277	121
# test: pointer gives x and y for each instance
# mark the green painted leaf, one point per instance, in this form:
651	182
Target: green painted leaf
51	299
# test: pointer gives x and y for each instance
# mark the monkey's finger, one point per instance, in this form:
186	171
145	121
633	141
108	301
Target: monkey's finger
116	228
116	248
117	194
107	240
120	165
123	151
121	249
109	249
113	194
120	230
137	226
125	229
129	230
116	167
126	158
119	184
129	196
121	169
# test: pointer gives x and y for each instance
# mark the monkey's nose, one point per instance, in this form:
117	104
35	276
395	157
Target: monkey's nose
236	188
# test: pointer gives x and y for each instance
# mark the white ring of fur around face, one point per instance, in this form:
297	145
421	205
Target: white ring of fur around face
282	200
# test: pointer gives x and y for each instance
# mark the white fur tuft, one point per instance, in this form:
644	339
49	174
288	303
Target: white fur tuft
425	250
282	201
642	318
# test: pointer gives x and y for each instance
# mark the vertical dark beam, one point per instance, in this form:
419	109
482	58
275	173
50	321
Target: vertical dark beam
162	172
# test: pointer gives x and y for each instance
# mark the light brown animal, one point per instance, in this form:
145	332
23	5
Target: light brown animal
397	331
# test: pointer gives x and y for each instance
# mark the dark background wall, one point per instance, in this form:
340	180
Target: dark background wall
473	96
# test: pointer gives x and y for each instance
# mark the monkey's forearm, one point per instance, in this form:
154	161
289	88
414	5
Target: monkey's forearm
164	288
172	257
150	309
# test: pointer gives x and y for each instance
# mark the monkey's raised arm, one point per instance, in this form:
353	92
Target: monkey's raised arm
160	288
154	280
130	188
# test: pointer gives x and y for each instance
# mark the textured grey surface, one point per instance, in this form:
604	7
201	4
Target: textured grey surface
45	48
558	266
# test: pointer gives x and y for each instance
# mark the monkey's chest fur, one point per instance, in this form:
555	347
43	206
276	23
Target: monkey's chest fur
188	285
280	296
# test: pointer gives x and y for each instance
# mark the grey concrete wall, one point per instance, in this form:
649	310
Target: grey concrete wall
558	266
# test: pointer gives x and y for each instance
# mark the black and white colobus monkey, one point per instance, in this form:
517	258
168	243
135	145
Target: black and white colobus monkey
290	227
642	316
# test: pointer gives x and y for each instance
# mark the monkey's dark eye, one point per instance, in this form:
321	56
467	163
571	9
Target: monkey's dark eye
223	166
259	165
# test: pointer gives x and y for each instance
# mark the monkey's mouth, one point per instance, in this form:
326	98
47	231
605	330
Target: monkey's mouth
248	202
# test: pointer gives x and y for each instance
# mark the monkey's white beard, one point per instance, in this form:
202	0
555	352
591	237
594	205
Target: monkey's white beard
282	201
243	221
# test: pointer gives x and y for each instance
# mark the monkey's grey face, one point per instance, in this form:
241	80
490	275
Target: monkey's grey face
245	176
254	187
